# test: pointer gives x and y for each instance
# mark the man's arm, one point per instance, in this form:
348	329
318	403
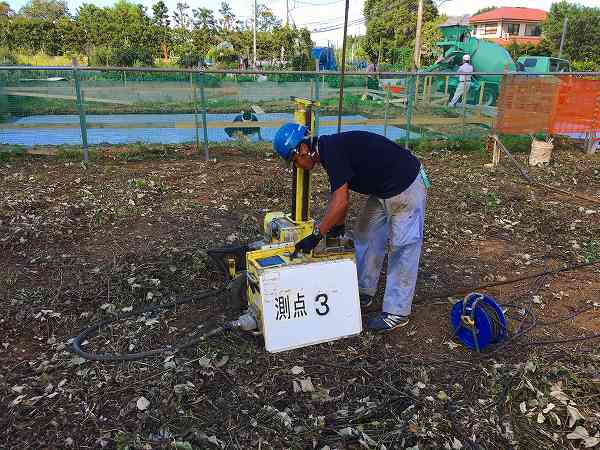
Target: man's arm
336	209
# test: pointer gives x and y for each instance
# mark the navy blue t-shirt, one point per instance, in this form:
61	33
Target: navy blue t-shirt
370	163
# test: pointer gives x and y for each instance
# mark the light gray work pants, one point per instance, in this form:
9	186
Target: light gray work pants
461	90
398	219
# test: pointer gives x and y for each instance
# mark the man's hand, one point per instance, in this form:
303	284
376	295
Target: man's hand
337	230
307	244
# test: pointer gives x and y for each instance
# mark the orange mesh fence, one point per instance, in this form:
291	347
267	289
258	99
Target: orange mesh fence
525	104
577	107
556	105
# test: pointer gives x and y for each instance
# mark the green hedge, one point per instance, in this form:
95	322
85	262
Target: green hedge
210	80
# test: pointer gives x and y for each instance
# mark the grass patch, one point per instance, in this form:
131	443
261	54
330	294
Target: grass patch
458	144
486	200
591	250
260	148
73	153
28	106
140	152
8	152
41	59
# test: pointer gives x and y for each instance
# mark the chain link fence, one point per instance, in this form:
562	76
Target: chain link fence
83	106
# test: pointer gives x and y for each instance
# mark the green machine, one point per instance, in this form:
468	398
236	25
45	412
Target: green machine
486	56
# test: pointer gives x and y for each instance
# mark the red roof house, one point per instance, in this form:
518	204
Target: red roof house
507	24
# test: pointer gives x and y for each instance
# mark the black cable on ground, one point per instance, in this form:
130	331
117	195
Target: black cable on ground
513	280
563	341
218	256
90	332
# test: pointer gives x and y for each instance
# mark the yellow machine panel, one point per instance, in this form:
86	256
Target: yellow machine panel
276	256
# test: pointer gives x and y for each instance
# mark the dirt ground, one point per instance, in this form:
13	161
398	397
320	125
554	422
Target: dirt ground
80	244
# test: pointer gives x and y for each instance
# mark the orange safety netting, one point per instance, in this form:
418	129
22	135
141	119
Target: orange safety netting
577	107
556	105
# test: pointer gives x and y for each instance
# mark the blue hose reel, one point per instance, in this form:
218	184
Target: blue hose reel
478	321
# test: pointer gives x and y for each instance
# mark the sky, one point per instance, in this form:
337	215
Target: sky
319	14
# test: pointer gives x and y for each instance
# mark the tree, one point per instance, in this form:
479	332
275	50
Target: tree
160	14
160	19
484	10
228	17
544	48
123	35
392	24
182	17
5	10
44	9
204	18
265	19
582	42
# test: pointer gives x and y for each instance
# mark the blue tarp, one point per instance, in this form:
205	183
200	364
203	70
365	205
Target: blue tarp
325	56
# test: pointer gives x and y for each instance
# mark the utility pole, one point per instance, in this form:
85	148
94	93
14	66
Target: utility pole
417	56
562	39
341	104
287	12
254	33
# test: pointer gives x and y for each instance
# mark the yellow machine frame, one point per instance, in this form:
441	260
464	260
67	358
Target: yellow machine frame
295	226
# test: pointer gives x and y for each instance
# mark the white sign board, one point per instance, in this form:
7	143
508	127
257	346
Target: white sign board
309	303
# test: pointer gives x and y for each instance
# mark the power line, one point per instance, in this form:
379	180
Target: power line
339	26
305	3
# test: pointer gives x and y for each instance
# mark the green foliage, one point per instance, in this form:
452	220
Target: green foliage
7	57
401	58
126	35
351	81
582	42
486	9
430	36
485	200
44	9
544	48
224	57
70	153
8	152
302	62
585	66
455	144
592	251
392	24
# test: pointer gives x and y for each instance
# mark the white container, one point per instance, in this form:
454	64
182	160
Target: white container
310	303
541	152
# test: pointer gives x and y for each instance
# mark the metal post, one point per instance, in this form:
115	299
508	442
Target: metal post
562	38
287	12
317	97
387	104
80	110
254	34
341	103
464	107
417	56
409	109
203	109
481	92
417	86
195	102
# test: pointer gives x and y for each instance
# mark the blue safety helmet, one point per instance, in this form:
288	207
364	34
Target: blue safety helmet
287	139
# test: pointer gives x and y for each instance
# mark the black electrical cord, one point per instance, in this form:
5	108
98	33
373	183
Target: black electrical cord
497	329
218	255
75	345
512	280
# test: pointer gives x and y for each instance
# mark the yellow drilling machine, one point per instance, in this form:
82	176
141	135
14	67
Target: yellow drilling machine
296	300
